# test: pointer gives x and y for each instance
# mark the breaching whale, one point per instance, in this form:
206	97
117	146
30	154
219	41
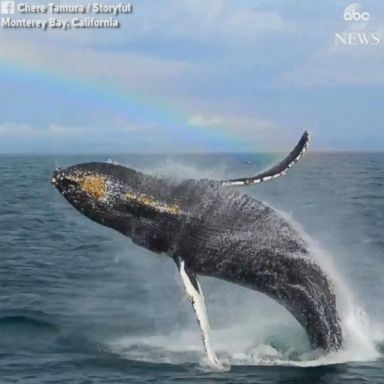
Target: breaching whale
211	229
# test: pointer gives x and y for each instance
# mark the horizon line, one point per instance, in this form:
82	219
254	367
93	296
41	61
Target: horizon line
42	154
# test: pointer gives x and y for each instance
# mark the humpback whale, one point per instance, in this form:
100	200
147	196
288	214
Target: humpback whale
210	228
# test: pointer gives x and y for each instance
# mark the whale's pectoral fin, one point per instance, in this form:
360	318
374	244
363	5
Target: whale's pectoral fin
196	297
279	169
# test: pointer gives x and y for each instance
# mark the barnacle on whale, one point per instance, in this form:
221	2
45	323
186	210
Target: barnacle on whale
95	186
148	201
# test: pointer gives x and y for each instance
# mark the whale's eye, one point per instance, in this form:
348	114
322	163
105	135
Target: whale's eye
95	186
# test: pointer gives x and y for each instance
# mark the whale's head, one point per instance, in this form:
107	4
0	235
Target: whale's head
116	196
100	191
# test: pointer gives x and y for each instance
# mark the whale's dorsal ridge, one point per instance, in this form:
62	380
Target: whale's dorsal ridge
277	170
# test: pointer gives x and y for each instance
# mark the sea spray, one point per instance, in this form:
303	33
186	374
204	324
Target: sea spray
359	343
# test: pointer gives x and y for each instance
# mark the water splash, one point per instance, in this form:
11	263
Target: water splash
360	343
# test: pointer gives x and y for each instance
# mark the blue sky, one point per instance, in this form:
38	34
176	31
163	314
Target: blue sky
183	76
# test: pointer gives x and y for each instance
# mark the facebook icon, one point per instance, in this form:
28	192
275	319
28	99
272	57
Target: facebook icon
7	7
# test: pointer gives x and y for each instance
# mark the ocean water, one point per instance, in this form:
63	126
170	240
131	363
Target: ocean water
80	303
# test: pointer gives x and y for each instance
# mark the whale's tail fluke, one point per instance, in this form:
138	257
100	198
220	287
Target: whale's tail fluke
279	169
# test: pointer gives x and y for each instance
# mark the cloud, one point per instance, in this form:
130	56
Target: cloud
335	64
125	125
221	22
161	49
125	69
118	127
251	132
340	66
63	130
244	125
250	24
218	21
53	130
16	129
205	121
222	63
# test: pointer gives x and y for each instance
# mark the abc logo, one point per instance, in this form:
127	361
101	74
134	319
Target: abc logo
353	13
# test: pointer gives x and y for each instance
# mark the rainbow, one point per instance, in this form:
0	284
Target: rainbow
139	108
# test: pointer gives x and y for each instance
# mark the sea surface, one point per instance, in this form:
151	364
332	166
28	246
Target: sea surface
80	303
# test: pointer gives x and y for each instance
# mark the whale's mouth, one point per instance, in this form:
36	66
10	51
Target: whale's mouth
63	182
